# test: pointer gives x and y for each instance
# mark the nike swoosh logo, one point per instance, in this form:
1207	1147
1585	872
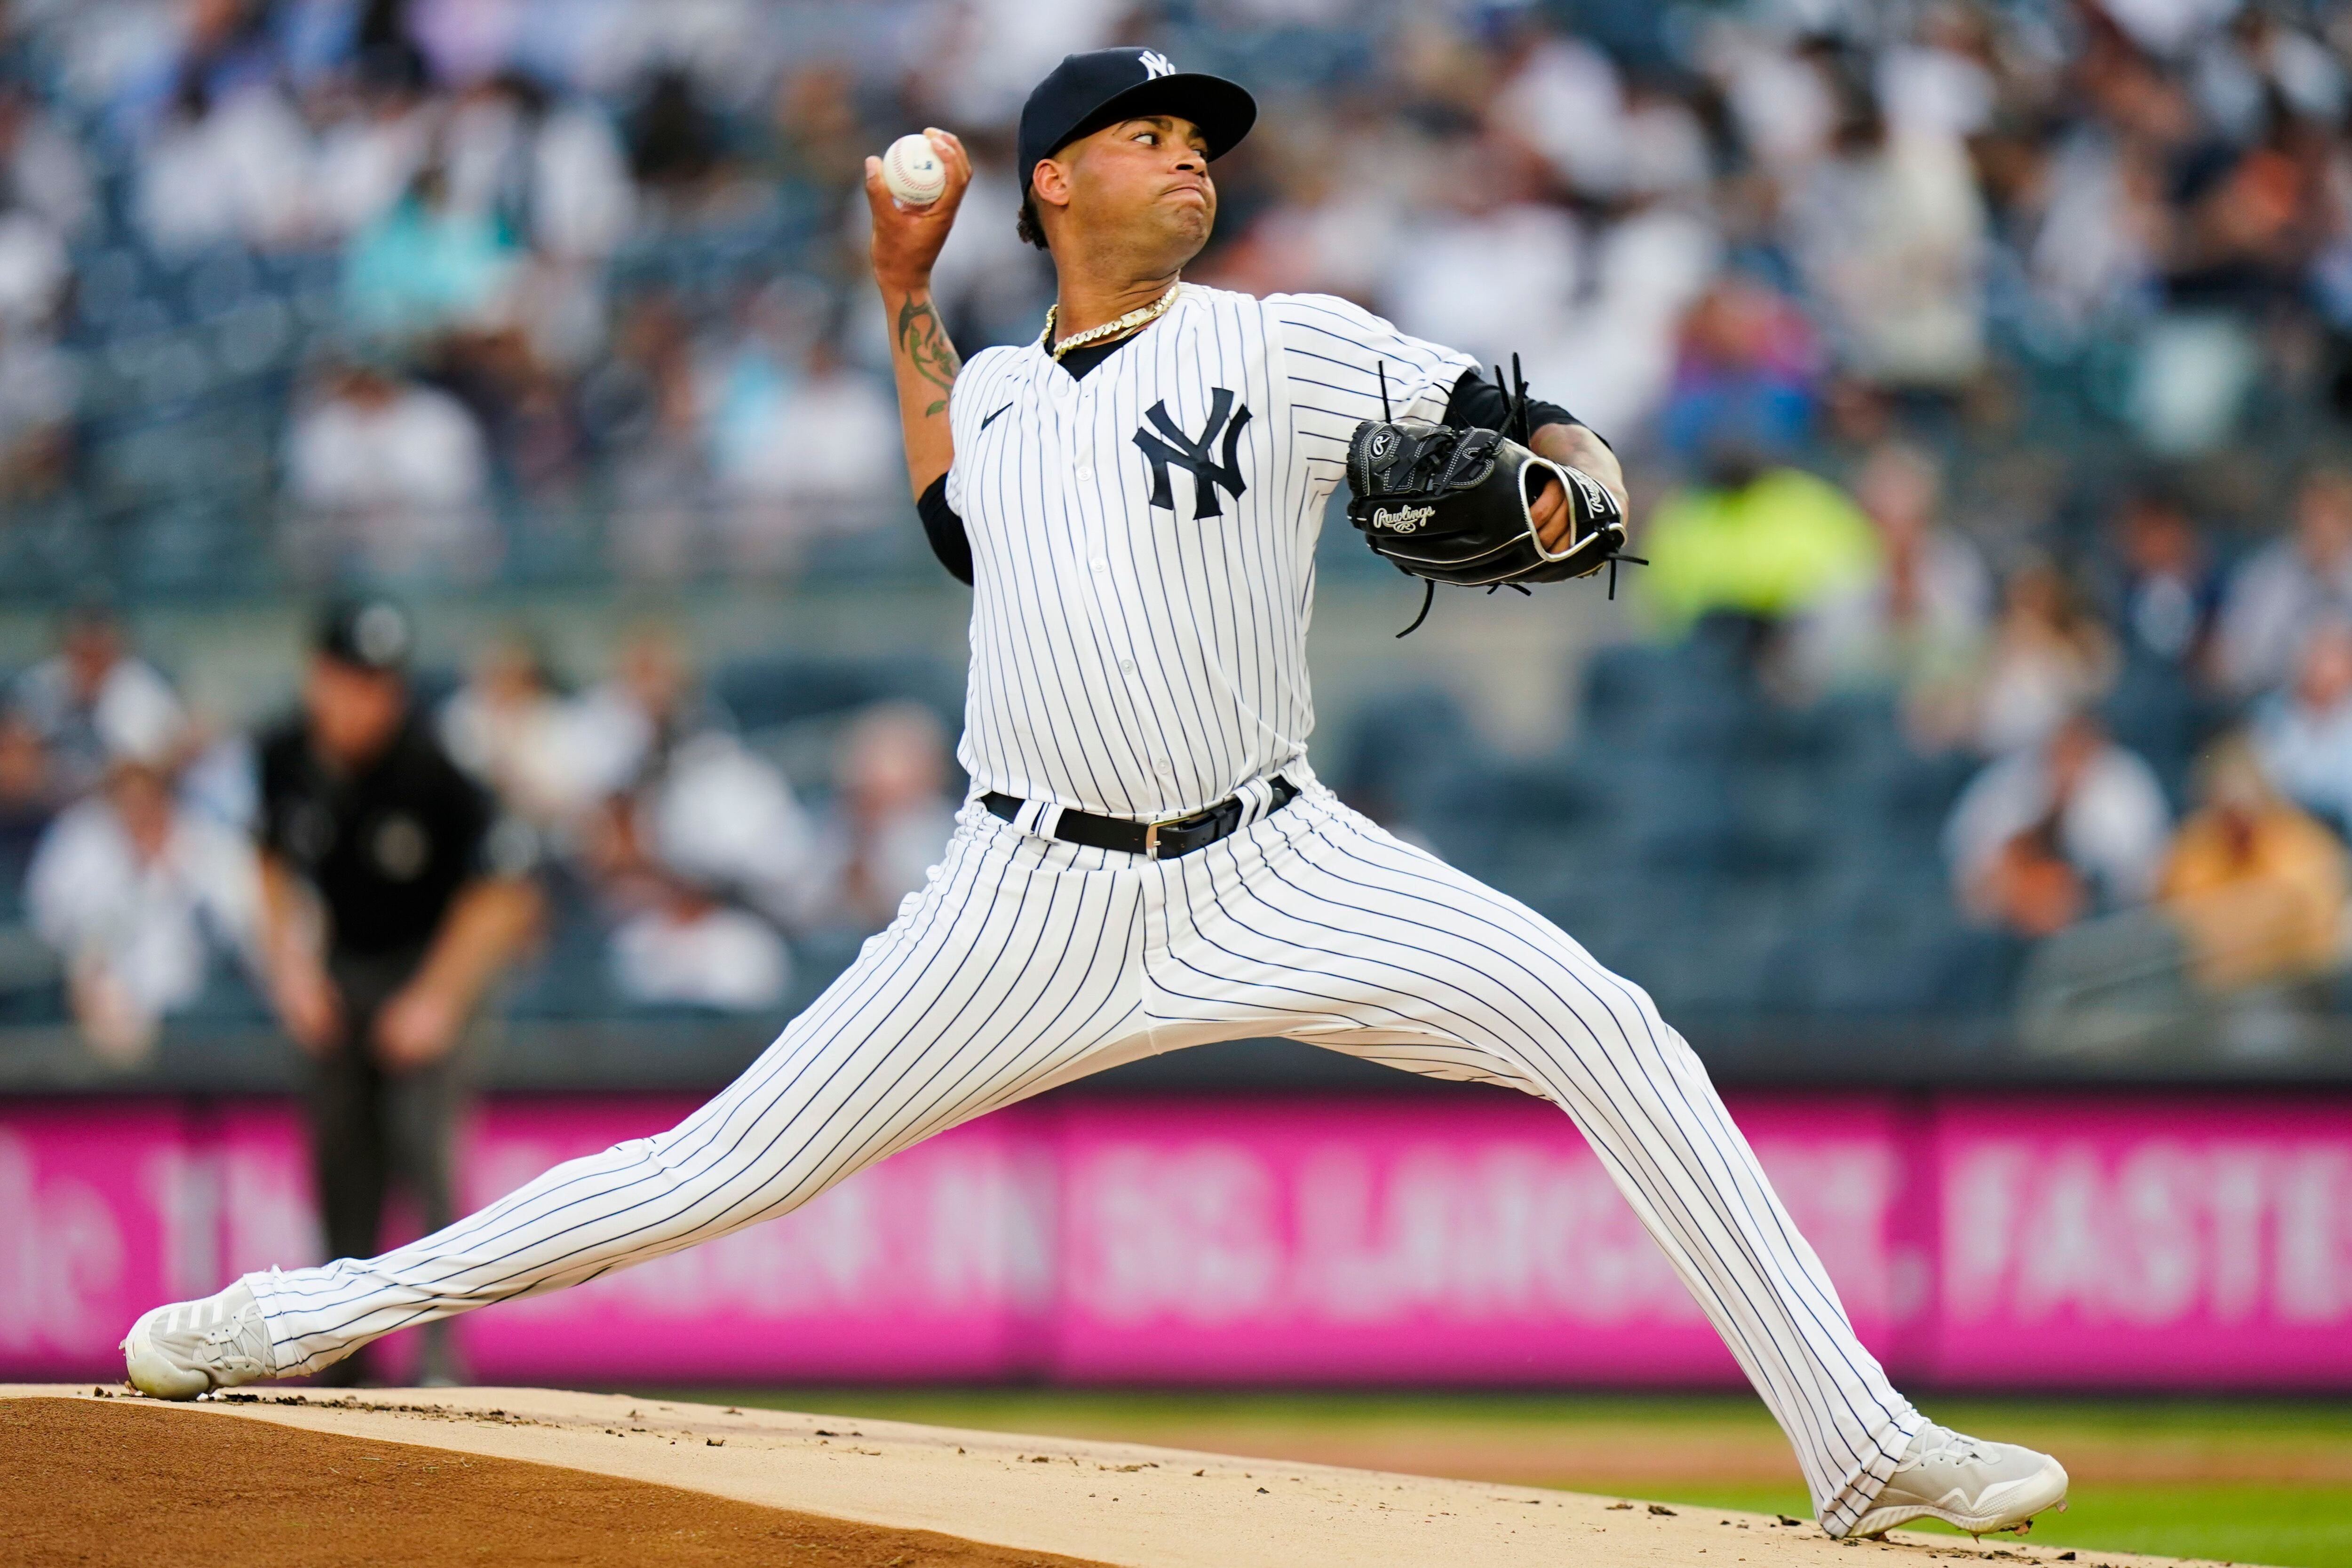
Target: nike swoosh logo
993	418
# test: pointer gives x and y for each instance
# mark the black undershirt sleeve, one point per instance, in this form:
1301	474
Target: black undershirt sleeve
1479	404
944	528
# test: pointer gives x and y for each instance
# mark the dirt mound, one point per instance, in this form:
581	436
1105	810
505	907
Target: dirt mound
121	1482
519	1475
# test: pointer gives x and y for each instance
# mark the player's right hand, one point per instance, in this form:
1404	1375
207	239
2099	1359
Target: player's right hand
906	240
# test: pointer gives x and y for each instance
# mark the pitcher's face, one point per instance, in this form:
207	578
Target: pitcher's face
1144	182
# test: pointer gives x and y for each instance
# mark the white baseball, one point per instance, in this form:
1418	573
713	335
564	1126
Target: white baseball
912	171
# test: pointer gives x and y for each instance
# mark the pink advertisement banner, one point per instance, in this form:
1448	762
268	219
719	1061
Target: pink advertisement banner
2143	1242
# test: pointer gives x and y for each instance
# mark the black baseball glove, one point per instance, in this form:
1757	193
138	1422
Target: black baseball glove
1452	505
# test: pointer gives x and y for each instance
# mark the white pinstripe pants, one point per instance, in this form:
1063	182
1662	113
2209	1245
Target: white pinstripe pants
1027	963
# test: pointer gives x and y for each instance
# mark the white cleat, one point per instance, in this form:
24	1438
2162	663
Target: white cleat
1969	1484
192	1347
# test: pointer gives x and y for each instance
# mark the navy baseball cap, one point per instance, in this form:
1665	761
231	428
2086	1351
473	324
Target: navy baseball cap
1103	87
371	634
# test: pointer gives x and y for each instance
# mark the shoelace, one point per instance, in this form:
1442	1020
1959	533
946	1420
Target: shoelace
223	1337
1955	1448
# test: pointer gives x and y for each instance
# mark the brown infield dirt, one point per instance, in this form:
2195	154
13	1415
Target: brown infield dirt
91	1483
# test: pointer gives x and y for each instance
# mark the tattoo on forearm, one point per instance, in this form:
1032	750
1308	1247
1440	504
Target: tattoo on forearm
925	343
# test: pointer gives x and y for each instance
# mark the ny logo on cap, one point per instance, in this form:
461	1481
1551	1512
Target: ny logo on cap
1156	65
1194	457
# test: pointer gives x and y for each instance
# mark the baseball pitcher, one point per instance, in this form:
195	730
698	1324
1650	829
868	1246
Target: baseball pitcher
1147	860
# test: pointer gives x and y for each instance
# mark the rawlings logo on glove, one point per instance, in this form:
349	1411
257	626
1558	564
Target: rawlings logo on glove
1404	520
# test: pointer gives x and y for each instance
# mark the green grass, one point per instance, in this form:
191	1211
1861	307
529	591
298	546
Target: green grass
2288	1527
2245	1481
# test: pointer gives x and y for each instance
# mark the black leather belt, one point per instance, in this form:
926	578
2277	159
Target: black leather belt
1154	840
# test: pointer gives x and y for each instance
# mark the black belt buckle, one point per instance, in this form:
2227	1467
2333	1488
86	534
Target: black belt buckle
1182	834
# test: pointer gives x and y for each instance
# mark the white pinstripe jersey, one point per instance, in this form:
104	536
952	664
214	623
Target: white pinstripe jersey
1143	544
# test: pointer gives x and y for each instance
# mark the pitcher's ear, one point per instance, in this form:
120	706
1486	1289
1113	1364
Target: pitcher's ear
1051	182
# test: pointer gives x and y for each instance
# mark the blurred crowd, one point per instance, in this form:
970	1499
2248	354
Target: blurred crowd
165	863
1986	358
607	253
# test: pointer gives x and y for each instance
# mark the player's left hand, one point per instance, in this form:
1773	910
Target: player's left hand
417	1027
1574	446
1554	519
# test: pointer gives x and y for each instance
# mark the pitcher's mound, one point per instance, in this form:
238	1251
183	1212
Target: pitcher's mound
274	1478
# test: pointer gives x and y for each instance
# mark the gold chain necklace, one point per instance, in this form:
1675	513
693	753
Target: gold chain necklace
1141	316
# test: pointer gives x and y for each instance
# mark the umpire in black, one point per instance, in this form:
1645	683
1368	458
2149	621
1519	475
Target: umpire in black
393	897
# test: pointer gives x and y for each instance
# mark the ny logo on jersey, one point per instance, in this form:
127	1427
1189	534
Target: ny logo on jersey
1208	473
1155	65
